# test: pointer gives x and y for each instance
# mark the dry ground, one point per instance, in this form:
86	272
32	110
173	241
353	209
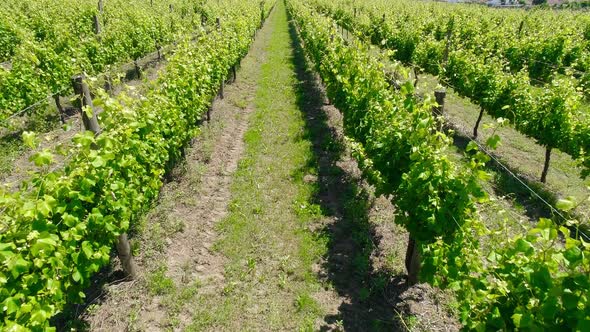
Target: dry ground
268	225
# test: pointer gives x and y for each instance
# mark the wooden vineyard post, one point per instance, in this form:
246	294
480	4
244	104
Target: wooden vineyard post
439	95
60	109
100	6
91	124
82	90
477	123
546	166
126	257
234	73
96	24
413	261
171	7
415	77
108	84
137	69
438	111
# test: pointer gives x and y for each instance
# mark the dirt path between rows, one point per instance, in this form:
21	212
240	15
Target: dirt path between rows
268	224
175	243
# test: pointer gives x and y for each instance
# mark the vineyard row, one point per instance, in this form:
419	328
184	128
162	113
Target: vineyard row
537	280
59	229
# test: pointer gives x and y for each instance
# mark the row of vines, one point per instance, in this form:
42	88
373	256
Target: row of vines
60	228
513	64
538	280
43	43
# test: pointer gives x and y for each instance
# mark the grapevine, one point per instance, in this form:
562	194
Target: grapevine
59	229
533	281
553	114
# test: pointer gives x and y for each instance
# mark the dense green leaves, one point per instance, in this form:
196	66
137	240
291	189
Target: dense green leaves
533	282
396	136
46	42
525	78
536	281
60	228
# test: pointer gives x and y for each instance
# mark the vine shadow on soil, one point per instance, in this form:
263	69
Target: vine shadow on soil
373	298
72	317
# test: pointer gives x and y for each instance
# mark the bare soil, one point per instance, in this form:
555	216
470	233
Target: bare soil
358	283
194	201
367	249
